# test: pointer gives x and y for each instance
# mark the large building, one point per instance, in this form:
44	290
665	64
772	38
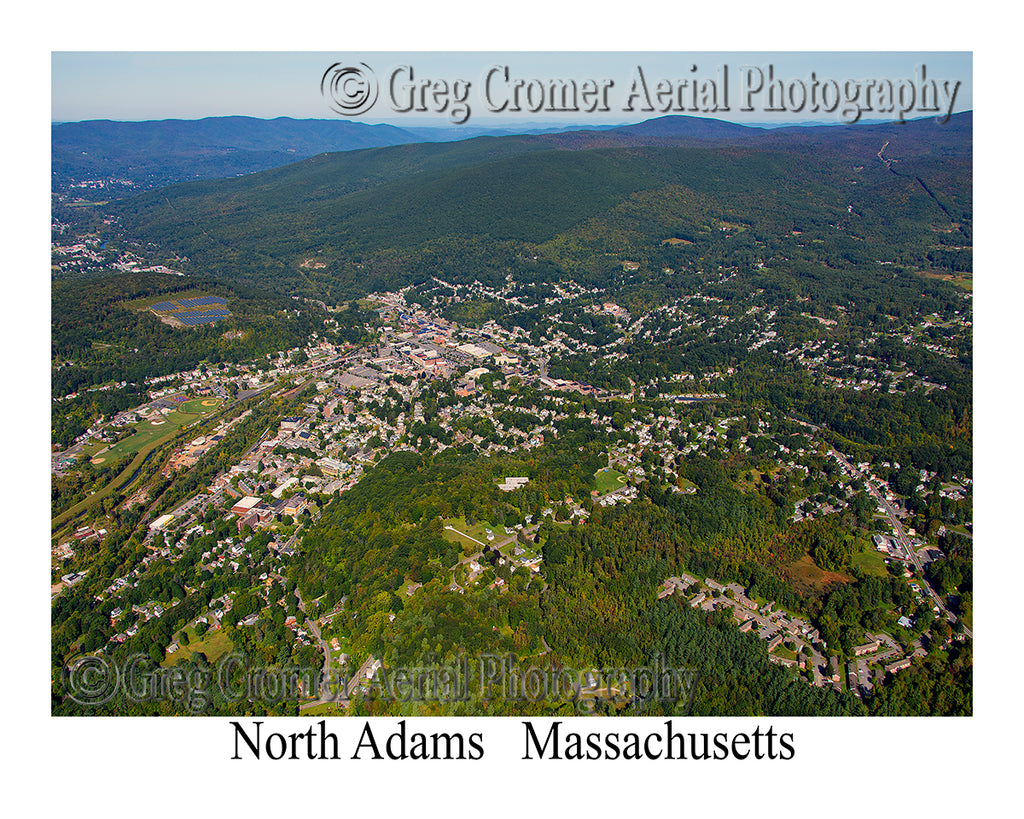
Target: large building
245	505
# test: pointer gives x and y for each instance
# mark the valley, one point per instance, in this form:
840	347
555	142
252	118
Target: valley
581	399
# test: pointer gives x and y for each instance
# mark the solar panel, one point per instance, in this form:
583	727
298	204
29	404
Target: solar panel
200	301
191	318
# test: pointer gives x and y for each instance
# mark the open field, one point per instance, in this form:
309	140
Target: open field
807	576
158	426
475	535
870	561
214	644
966	281
608	479
149	437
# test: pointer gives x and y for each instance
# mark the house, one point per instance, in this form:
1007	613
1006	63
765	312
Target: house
867	648
899	665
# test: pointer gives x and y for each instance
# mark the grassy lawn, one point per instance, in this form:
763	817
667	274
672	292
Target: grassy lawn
782	651
459	538
870	561
146	432
157	427
214	644
469	534
608	479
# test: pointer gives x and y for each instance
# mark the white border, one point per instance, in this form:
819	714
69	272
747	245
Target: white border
842	767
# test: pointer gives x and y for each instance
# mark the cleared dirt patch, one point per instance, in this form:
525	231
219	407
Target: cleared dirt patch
808	578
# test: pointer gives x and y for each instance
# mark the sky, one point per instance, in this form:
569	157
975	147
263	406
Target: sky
190	85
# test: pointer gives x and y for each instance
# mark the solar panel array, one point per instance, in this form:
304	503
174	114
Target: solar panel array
200	301
191	318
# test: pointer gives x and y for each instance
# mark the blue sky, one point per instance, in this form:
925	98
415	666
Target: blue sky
190	85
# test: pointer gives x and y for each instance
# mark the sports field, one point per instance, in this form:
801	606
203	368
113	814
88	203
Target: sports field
159	425
151	433
608	479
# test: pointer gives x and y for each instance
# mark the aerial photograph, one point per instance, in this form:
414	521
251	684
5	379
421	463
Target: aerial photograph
542	385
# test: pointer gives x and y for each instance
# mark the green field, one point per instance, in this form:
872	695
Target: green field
478	532
871	562
158	426
143	443
608	479
215	644
782	651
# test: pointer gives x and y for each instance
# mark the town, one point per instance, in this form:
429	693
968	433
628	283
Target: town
428	384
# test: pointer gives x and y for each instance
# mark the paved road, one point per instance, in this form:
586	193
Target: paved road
904	542
897	527
326	695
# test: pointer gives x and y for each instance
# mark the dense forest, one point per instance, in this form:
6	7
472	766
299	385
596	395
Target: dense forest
375	218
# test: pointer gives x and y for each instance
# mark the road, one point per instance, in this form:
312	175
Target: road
904	542
497	544
326	694
897	527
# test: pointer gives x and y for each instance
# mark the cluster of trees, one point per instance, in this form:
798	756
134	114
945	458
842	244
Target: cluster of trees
941	684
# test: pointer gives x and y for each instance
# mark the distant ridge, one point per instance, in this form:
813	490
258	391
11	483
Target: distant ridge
160	152
696	127
156	153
